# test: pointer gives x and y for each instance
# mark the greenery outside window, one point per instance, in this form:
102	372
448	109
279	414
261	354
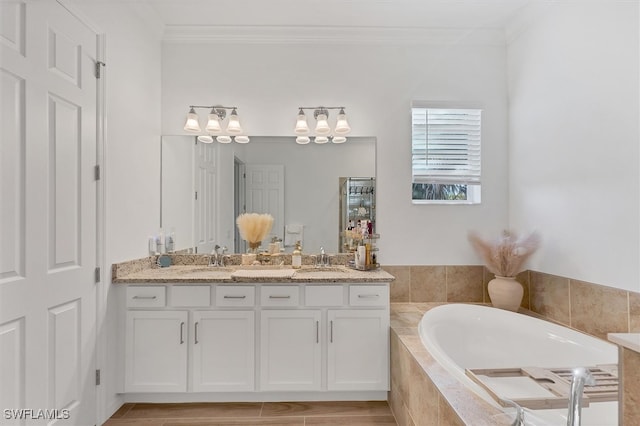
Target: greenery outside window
445	155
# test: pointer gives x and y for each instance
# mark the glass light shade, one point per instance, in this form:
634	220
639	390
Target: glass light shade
342	125
303	140
302	128
234	123
205	139
322	126
213	124
338	139
192	124
321	139
224	139
242	139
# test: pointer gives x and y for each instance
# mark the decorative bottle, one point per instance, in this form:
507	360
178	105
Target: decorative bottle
296	256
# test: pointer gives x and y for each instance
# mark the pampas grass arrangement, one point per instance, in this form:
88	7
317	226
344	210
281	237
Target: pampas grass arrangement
254	228
506	255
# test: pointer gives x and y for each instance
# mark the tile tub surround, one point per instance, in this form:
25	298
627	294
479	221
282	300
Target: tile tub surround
629	365
422	392
591	308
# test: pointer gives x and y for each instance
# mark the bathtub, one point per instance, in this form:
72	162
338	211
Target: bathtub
461	336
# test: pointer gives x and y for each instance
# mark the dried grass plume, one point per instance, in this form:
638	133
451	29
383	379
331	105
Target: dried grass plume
506	255
254	227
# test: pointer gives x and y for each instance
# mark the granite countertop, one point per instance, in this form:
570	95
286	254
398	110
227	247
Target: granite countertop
146	271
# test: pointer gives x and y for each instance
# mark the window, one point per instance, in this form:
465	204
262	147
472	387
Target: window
445	155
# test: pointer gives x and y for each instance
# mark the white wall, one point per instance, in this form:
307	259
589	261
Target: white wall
573	92
268	82
132	172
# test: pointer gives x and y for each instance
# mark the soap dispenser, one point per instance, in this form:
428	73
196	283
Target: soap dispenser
296	256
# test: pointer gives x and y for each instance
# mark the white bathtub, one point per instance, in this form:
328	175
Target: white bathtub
461	336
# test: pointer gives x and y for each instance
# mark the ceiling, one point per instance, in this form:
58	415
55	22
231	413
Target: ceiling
445	14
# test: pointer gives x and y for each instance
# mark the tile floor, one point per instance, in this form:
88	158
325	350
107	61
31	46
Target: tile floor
323	413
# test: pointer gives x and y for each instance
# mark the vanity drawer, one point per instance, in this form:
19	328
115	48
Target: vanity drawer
235	295
368	295
146	296
190	295
323	295
279	295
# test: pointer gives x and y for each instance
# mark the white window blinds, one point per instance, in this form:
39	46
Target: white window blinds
446	145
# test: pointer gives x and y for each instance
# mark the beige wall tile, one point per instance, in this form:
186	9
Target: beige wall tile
524	279
634	312
428	284
404	371
465	283
446	415
550	296
598	310
400	287
630	386
423	397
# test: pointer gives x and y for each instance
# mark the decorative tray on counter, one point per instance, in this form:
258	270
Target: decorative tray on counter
373	267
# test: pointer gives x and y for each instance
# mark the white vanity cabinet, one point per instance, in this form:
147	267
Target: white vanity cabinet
156	351
261	341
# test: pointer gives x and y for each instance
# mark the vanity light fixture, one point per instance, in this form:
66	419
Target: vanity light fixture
323	133
216	115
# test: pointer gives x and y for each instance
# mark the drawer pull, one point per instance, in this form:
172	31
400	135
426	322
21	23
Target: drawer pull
145	297
235	297
181	333
317	331
195	333
368	296
331	330
279	297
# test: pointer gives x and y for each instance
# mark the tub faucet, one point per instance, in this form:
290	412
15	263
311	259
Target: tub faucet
581	376
519	419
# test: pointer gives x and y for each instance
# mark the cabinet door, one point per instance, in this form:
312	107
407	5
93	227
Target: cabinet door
358	350
290	350
156	351
223	351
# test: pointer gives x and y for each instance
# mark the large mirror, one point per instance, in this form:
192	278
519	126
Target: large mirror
205	186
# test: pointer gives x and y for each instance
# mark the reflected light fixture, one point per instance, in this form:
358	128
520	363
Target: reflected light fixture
216	116
323	132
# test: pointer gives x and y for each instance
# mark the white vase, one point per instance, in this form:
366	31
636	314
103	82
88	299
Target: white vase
505	293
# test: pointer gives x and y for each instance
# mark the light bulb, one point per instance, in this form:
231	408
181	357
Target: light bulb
205	139
321	139
338	139
224	139
303	140
322	126
242	139
192	124
342	125
302	128
234	123
213	123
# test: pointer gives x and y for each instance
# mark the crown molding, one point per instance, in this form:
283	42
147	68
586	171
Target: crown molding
220	34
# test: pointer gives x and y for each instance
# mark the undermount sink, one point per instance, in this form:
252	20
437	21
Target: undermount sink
322	270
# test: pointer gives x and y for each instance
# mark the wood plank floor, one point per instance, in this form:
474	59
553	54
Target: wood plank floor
321	413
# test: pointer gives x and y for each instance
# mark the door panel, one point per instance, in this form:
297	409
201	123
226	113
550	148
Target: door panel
48	211
265	194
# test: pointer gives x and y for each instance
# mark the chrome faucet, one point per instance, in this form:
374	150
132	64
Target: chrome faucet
322	259
217	258
581	376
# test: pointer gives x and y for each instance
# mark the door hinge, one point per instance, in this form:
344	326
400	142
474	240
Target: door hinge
99	65
97	377
96	274
96	172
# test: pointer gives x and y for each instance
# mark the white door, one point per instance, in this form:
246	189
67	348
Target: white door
206	201
223	351
48	219
290	350
156	351
358	351
265	194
